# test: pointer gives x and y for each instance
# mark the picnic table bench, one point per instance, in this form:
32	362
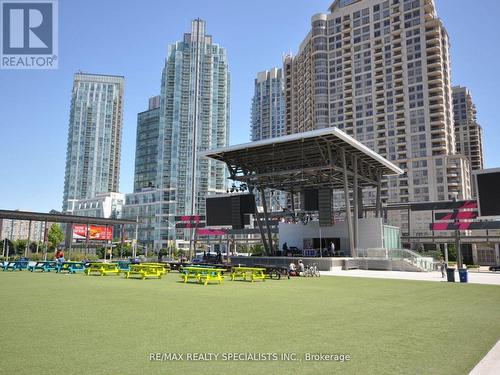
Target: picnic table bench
124	266
70	267
164	267
274	271
44	266
252	273
15	265
202	274
145	270
102	268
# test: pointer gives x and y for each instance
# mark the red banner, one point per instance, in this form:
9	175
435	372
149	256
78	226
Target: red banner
96	232
211	232
459	215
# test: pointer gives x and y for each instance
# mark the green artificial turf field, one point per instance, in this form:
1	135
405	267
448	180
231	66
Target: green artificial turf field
73	324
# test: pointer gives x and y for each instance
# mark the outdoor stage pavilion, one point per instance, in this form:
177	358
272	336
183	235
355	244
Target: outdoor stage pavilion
325	159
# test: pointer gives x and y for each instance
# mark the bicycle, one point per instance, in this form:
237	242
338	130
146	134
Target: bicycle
312	271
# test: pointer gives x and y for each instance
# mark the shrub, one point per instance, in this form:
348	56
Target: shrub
36	256
78	257
436	254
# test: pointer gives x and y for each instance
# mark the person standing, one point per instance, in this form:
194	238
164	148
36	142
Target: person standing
332	248
285	249
442	266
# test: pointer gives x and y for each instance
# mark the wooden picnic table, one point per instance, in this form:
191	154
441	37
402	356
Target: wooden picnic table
15	265
252	273
70	267
202	274
145	270
44	266
102	268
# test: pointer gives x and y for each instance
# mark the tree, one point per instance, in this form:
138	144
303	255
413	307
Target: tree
20	246
125	251
55	236
9	247
452	253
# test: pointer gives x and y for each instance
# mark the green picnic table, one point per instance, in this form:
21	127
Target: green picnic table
145	270
44	266
164	268
250	273
102	269
15	265
70	267
202	274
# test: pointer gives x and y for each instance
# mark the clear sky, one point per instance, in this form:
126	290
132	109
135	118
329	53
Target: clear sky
130	38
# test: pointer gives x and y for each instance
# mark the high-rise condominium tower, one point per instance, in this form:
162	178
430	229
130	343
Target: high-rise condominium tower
268	119
193	116
468	133
268	105
94	137
146	146
144	203
380	70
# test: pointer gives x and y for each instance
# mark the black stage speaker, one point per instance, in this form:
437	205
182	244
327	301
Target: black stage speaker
310	200
325	207
230	210
488	183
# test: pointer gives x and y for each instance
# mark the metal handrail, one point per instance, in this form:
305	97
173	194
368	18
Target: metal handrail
409	256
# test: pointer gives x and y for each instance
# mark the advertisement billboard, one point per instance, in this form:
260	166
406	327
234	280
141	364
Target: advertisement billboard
96	233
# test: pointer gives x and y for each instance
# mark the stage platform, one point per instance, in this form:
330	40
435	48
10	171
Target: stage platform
332	264
323	264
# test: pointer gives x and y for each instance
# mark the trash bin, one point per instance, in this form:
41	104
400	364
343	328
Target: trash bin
462	273
450	275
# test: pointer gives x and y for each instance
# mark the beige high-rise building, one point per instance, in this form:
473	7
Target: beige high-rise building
380	71
468	133
20	230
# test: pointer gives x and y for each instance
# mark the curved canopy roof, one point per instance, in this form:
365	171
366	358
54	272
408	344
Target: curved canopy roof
301	161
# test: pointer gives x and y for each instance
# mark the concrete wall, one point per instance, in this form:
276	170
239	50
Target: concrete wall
370	234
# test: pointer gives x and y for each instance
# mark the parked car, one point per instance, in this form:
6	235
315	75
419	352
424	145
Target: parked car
495	268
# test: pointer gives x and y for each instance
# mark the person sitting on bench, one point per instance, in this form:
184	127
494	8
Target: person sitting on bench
292	269
301	267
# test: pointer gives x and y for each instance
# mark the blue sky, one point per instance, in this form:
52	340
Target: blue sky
130	38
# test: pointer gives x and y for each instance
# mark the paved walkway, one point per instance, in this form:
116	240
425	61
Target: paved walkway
490	364
474	277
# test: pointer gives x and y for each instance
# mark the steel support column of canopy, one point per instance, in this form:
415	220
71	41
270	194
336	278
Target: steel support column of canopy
266	218
348	205
378	203
355	194
259	223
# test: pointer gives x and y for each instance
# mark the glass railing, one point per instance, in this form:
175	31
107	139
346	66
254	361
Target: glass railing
408	256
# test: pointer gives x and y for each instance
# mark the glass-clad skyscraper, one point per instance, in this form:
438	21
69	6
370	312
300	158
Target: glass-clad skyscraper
268	120
193	115
268	105
146	147
94	137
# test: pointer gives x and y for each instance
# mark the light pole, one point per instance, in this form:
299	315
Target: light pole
134	248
